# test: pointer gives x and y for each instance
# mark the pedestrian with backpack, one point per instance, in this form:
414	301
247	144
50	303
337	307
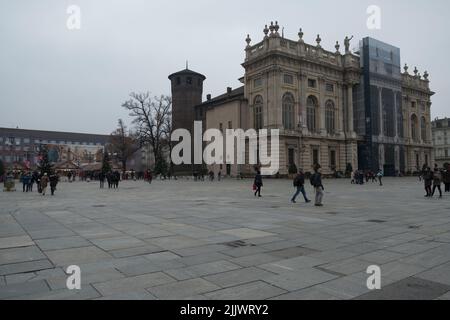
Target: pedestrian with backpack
316	182
299	183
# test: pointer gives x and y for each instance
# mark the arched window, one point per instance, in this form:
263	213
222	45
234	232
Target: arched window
288	111
311	106
258	113
423	129
414	132
330	117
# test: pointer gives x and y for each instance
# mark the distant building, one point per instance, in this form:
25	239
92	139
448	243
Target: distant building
338	109
20	149
441	141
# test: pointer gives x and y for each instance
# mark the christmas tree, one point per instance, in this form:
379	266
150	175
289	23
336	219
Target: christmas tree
161	166
45	166
106	166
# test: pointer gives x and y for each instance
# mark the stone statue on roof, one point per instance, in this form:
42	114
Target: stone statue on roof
347	43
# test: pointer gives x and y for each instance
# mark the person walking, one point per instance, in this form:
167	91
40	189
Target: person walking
299	183
34	179
428	181
102	177
380	175
437	180
316	182
258	183
54	178
446	178
26	179
150	177
44	183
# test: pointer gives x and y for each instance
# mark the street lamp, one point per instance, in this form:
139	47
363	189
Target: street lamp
10	145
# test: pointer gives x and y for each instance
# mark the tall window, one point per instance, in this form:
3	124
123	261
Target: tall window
288	111
414	127
291	156
315	156
423	129
258	113
329	117
311	106
333	159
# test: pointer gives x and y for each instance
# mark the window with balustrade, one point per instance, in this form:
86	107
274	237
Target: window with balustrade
311	106
258	113
288	111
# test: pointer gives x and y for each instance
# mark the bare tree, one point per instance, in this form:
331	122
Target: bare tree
123	144
151	117
167	132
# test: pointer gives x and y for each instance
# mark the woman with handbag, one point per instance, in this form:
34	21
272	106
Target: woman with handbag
258	184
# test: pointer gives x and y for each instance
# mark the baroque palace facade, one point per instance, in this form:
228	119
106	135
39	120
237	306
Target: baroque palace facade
337	109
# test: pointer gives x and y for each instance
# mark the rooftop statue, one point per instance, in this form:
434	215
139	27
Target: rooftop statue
347	43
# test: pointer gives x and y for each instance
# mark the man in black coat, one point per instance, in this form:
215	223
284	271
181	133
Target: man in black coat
258	183
54	178
299	183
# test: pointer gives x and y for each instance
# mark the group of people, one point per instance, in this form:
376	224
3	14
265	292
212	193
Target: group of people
42	180
299	183
434	179
358	177
112	177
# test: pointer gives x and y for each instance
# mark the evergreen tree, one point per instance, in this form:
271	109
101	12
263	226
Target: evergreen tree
106	166
2	168
45	166
161	166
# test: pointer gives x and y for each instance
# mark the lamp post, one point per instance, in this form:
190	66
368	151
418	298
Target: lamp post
9	144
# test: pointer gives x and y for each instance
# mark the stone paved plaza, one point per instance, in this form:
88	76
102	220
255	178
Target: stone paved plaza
214	240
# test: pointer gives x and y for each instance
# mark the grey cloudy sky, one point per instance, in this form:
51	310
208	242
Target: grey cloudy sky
56	79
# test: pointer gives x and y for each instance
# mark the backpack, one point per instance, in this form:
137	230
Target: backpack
314	180
297	181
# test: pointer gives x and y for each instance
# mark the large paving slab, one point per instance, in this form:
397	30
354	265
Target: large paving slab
213	240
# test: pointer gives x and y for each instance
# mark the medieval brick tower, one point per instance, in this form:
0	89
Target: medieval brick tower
187	90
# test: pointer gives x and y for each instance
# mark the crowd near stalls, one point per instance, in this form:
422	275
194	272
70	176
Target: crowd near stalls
434	178
31	181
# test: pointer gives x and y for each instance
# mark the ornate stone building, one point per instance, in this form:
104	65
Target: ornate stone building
336	108
441	141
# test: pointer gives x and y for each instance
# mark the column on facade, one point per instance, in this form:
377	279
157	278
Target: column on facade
322	106
408	121
419	123
380	111
340	105
397	158
395	115
429	131
350	126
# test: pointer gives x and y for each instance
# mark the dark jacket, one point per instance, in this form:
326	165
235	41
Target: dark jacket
437	178
446	176
299	180
316	180
258	180
428	178
53	180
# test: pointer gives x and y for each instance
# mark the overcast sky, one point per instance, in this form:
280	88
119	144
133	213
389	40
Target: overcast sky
57	79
